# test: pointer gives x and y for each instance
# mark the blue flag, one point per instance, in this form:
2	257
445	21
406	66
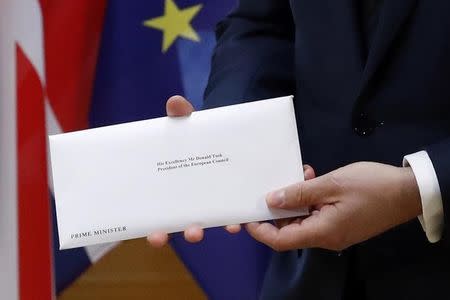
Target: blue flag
150	51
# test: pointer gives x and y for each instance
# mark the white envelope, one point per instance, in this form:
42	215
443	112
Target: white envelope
212	168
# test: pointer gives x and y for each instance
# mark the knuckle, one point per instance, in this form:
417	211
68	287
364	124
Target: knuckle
299	195
336	181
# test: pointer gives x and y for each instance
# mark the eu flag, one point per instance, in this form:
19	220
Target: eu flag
150	50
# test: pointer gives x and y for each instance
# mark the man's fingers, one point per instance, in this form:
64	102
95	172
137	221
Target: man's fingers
283	198
178	106
308	172
233	228
304	194
193	234
275	238
264	232
291	197
296	235
158	239
284	222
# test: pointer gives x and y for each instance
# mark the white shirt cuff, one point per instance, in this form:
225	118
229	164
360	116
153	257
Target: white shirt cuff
432	218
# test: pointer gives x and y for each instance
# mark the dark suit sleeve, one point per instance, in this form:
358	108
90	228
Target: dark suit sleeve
254	55
440	156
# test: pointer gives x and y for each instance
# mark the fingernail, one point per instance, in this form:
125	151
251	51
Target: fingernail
276	198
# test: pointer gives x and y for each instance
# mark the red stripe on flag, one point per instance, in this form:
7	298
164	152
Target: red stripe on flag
35	279
72	38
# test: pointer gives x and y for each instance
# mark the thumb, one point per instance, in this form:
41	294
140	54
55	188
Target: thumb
178	106
300	195
308	172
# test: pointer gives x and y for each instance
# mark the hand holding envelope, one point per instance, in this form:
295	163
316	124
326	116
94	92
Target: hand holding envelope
348	205
178	106
212	168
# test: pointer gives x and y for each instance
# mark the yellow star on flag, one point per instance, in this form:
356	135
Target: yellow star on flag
175	23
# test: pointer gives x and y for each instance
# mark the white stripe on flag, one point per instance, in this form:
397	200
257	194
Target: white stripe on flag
20	23
52	128
8	157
